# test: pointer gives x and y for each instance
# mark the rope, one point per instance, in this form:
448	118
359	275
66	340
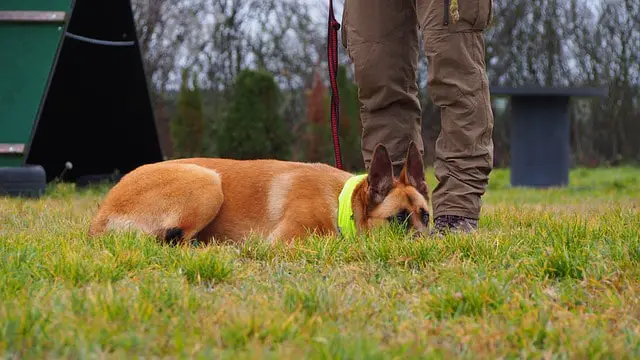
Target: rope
332	54
99	42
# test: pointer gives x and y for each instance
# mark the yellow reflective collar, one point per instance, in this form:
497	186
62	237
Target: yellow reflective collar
346	222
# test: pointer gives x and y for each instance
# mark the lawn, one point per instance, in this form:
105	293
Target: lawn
551	274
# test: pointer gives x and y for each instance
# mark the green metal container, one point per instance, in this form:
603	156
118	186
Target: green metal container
30	32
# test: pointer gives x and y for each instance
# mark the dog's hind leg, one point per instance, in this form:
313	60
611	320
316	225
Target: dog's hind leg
172	201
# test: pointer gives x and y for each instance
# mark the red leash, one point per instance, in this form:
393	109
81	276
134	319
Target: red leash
332	53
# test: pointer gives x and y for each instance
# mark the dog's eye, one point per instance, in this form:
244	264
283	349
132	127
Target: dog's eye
401	217
424	216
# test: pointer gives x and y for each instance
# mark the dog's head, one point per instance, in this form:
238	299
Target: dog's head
404	200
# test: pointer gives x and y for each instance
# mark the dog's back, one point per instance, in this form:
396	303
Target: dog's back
272	198
223	199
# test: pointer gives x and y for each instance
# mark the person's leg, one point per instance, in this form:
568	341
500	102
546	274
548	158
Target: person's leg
458	83
381	37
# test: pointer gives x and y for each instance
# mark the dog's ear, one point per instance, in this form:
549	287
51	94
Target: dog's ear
380	176
413	170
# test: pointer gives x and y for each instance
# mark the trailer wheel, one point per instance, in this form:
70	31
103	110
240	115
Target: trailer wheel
26	181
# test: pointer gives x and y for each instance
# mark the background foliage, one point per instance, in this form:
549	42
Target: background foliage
252	126
187	127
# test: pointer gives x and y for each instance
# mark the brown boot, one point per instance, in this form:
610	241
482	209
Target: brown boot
446	223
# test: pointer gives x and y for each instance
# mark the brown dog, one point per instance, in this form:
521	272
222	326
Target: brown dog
223	199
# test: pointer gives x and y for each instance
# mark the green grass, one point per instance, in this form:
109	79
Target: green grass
551	274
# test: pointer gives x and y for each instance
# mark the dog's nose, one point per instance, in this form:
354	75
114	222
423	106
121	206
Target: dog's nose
415	234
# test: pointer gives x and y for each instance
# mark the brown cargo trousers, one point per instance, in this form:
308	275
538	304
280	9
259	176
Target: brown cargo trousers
381	38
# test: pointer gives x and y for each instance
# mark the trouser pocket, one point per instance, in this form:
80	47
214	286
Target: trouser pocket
475	14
